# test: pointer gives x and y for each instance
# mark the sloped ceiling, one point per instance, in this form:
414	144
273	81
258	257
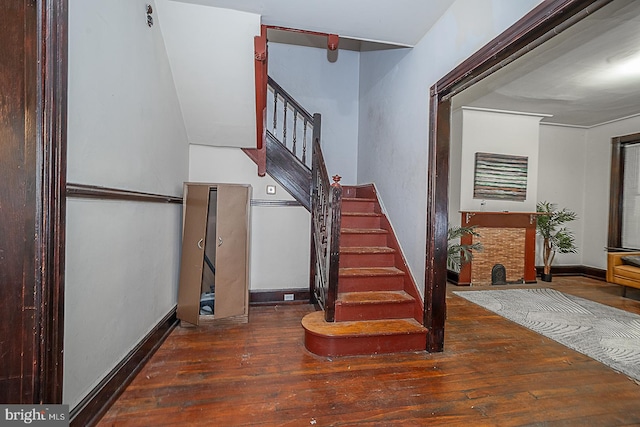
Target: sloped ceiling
569	77
400	22
211	55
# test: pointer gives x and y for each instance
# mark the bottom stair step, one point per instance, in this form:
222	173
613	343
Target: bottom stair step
374	305
362	337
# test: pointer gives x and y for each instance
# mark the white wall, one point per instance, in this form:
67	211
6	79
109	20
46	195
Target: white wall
125	130
279	253
212	58
455	168
499	132
575	172
328	88
597	181
561	180
394	111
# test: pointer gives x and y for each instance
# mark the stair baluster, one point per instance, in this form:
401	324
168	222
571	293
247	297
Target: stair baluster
286	114
325	217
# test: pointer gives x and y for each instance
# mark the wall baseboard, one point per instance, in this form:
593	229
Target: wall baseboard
277	297
563	270
91	409
576	270
99	400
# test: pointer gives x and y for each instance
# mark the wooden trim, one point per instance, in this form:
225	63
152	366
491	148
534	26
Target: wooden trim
562	270
276	297
261	75
437	213
99	400
52	141
614	238
259	156
106	193
575	270
275	203
454	277
290	100
521	220
288	171
542	23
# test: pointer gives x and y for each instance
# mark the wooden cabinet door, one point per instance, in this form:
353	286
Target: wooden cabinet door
232	259
196	210
232	251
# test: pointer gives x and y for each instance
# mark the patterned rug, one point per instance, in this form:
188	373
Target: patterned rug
606	334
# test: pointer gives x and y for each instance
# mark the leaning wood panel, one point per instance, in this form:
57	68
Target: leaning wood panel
194	232
232	256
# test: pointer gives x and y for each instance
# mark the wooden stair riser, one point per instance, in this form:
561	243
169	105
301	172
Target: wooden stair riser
358	205
329	346
360	221
363	239
370	283
373	311
367	260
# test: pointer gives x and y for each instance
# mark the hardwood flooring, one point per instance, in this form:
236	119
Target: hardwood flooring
492	373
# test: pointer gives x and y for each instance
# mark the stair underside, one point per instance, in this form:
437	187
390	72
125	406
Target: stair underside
350	338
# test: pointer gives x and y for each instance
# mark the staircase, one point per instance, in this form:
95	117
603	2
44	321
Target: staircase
377	309
358	275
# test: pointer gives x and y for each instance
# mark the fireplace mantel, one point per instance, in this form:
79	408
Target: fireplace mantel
521	253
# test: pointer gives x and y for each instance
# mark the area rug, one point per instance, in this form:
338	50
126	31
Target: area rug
606	334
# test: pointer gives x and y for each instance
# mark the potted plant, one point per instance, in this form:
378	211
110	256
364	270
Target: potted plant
556	237
457	253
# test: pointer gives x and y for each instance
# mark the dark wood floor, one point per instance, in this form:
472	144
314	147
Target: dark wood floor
492	372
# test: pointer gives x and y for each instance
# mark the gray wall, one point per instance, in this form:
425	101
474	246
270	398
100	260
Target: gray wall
126	131
329	88
394	111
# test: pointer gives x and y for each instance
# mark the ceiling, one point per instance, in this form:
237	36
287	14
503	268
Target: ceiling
399	22
587	75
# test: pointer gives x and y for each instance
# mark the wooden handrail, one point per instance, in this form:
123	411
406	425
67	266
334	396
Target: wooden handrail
325	212
289	122
326	198
278	89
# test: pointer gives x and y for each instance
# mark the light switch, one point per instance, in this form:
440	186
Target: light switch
271	189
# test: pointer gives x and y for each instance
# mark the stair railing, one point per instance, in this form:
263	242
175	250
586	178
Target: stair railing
289	122
294	128
326	201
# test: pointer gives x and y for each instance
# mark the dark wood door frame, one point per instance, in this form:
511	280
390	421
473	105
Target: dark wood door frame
51	170
545	21
33	144
48	93
614	240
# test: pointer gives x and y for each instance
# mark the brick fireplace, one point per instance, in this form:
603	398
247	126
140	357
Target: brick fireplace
508	238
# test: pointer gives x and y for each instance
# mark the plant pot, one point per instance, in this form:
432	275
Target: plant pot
545	277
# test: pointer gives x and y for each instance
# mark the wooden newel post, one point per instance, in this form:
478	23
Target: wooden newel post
335	206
